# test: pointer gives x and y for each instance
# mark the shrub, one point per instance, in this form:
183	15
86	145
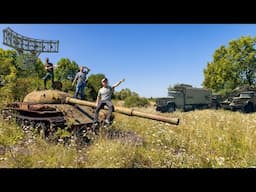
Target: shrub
67	86
17	89
124	93
135	101
93	86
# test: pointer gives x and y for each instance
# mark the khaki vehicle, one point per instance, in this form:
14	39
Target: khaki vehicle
186	98
245	102
216	99
240	99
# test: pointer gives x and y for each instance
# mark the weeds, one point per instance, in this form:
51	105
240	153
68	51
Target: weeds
206	138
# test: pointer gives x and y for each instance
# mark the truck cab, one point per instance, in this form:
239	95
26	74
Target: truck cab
165	104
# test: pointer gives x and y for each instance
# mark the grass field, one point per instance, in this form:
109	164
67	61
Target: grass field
204	139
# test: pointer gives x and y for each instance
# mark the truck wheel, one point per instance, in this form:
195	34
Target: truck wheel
171	107
160	109
248	108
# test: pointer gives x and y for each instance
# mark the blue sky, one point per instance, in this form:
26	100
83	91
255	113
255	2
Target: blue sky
149	56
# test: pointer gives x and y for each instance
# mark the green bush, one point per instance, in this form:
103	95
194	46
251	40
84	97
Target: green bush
67	86
225	93
135	101
124	93
93	86
17	89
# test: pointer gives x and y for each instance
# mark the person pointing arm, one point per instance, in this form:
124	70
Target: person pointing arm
104	98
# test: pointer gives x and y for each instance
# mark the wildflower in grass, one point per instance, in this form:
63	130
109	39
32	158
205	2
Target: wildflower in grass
220	160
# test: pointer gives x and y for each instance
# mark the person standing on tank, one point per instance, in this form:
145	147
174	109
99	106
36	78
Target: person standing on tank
104	98
49	74
80	80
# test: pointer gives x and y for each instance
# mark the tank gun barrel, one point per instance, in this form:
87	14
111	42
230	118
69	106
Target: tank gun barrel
127	111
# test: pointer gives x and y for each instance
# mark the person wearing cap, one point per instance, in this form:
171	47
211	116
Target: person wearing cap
104	98
80	80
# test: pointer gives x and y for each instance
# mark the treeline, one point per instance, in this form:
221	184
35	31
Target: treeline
232	66
16	82
131	99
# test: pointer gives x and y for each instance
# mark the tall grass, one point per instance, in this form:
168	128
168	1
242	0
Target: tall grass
204	139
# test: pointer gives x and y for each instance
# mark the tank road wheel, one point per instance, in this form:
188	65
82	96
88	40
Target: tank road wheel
18	121
50	134
248	108
40	128
25	125
158	108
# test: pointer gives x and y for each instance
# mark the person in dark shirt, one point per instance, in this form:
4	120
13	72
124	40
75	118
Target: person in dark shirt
80	80
49	74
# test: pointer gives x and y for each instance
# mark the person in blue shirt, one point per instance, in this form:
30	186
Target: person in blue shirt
80	80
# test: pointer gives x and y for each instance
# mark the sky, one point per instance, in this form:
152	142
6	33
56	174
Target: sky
149	56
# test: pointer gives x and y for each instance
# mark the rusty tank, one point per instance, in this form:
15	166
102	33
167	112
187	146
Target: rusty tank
47	111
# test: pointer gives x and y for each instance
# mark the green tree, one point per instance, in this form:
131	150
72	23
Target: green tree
136	101
8	70
66	69
93	85
232	66
6	61
39	68
124	93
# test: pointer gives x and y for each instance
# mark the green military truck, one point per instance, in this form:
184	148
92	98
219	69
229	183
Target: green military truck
186	98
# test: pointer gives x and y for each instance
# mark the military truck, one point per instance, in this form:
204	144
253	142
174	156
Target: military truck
216	100
186	98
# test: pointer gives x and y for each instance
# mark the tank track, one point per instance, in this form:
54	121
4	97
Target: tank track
46	127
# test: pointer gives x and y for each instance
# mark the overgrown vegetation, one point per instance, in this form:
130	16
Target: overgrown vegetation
136	101
131	98
206	138
226	139
93	85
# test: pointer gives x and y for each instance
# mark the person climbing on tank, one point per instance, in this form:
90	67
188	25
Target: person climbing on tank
104	98
49	74
80	80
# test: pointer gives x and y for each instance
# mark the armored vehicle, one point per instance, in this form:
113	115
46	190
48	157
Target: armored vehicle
185	97
47	111
245	102
238	97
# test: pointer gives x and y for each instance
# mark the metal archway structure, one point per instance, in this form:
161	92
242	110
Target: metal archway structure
28	49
